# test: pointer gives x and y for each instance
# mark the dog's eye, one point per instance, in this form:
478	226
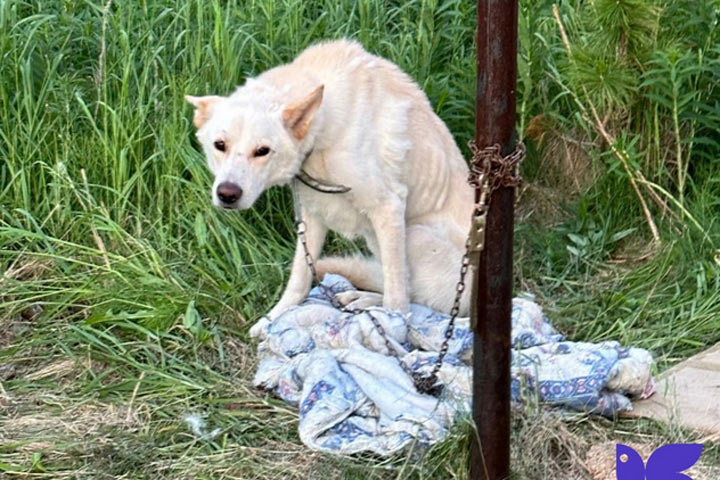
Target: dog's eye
262	151
220	145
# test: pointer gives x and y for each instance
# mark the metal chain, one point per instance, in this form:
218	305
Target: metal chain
301	229
486	164
489	161
430	380
488	172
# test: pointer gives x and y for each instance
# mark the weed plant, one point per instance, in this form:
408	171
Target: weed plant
126	298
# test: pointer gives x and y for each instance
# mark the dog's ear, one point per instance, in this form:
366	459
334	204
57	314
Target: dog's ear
299	115
203	108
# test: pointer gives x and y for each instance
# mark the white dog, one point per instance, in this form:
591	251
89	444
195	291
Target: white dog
349	118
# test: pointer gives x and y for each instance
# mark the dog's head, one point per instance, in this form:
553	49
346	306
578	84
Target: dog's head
253	140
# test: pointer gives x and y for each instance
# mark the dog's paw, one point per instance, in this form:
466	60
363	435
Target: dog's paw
279	309
359	300
259	330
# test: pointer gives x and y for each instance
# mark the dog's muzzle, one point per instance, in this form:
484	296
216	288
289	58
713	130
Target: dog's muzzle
229	194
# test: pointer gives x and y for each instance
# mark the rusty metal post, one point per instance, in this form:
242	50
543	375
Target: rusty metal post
494	124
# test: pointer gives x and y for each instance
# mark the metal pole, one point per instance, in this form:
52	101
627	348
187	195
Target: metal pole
494	124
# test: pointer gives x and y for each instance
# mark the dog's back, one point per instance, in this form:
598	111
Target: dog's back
424	158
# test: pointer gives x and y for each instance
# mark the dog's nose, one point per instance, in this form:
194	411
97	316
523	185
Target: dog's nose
229	193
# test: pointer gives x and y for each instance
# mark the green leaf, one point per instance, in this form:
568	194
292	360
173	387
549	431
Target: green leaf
620	235
6	467
200	230
578	240
36	465
192	319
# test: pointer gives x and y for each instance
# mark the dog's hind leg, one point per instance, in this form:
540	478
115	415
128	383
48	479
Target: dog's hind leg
364	273
435	261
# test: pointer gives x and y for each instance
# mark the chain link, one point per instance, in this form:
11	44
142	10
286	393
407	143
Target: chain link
489	170
431	378
488	162
301	229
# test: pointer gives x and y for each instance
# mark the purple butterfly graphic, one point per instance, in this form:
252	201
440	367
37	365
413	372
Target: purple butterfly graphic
665	463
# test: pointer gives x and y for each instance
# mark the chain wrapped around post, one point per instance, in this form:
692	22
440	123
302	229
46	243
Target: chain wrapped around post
489	170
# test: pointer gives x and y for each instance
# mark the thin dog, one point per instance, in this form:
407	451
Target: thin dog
347	117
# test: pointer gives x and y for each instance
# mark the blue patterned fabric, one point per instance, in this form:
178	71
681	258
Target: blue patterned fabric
353	395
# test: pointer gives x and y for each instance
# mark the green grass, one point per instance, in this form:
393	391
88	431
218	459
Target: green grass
126	298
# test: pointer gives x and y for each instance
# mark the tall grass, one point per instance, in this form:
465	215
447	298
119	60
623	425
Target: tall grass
115	261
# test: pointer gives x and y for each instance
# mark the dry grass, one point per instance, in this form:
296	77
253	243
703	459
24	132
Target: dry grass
565	166
108	242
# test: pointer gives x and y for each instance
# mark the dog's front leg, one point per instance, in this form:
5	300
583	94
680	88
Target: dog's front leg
300	275
388	221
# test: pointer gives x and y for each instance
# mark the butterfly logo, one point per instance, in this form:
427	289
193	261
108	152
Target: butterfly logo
665	463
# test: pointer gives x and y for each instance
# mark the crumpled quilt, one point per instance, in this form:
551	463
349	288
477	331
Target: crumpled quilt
353	396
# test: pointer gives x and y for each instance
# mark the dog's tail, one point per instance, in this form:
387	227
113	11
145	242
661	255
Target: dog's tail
364	273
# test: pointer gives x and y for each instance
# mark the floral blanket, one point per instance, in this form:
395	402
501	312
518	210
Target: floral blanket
353	396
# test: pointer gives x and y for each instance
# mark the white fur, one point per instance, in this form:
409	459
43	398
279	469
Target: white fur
374	131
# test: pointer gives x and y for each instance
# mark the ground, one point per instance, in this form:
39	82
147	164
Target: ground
126	298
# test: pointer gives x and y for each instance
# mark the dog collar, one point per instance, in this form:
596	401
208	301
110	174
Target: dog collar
319	185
